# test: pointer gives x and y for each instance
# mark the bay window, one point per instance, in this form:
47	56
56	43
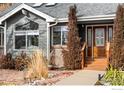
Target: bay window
59	35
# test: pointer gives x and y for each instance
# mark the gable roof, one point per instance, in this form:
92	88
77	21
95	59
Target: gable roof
60	10
17	7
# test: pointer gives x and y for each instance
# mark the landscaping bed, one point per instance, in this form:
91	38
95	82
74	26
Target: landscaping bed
14	77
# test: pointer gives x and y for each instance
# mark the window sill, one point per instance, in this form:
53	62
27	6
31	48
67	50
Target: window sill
59	46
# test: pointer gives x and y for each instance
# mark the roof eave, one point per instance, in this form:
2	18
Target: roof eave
29	8
90	18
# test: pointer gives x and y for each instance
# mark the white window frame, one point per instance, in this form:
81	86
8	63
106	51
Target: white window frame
22	33
61	29
2	35
100	37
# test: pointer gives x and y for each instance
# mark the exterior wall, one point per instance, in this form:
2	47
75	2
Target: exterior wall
58	48
42	32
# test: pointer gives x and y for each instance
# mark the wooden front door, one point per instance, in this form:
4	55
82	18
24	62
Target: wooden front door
99	42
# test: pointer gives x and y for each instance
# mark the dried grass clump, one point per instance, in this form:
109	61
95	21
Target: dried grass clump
37	69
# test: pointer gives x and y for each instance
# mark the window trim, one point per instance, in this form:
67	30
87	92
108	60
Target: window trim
23	32
61	30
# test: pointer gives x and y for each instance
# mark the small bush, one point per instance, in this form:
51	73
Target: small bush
7	62
38	66
22	61
114	76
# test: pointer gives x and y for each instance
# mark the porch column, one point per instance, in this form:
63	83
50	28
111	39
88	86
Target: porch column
48	41
92	44
5	26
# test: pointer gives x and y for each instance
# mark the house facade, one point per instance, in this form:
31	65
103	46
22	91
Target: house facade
25	27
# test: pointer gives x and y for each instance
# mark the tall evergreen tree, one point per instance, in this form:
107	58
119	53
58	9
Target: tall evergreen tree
72	57
117	45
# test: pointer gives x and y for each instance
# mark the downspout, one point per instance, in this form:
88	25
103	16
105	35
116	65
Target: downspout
5	24
54	23
48	37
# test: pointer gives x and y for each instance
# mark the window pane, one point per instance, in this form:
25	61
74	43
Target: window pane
57	28
20	42
99	36
56	37
32	41
97	41
58	32
64	37
26	24
64	28
89	38
110	33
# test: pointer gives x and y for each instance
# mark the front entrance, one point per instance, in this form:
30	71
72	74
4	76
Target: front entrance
99	42
96	38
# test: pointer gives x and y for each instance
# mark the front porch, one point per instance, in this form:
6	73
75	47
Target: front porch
99	64
95	50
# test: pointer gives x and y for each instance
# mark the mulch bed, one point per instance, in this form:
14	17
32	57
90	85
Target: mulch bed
13	77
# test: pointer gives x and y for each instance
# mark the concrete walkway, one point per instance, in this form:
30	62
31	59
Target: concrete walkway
83	77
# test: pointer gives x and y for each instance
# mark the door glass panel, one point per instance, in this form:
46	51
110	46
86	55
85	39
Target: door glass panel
110	33
89	37
99	37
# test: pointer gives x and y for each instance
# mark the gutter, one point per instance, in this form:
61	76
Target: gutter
90	18
56	22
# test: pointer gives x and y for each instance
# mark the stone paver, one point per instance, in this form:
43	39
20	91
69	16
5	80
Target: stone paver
83	77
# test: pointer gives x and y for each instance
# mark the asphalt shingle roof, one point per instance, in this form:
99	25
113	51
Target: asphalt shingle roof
60	10
14	5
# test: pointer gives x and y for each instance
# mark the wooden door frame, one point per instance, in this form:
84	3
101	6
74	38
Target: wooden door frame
86	37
